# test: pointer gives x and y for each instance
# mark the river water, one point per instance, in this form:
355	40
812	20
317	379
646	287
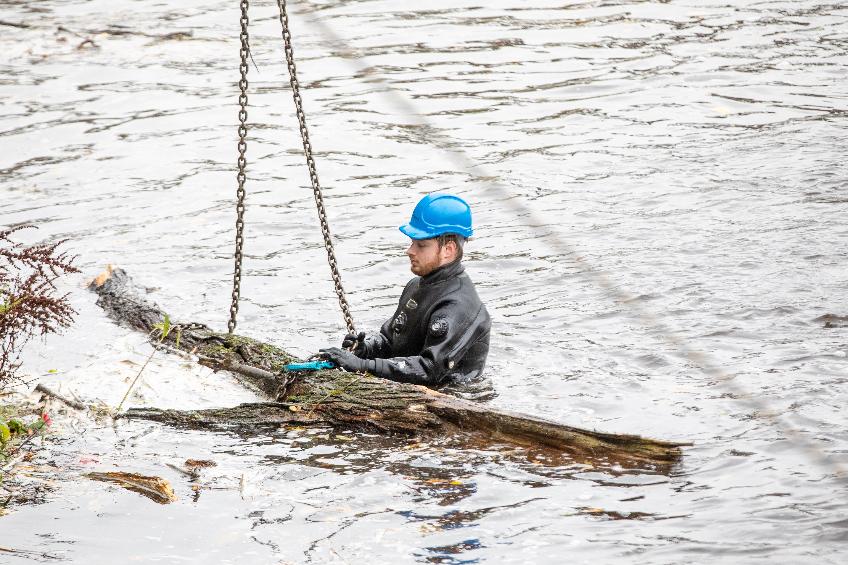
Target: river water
659	193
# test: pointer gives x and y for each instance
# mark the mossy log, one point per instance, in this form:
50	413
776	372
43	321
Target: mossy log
351	400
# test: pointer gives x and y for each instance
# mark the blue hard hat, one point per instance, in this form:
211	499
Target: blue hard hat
437	214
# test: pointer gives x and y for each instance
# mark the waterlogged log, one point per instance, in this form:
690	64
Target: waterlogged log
350	400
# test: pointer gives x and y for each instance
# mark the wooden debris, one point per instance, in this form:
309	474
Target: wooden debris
154	488
198	463
63	399
352	401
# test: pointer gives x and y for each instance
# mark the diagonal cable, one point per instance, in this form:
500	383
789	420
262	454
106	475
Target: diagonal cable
460	159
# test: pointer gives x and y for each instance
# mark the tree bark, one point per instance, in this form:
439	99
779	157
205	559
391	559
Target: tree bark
351	400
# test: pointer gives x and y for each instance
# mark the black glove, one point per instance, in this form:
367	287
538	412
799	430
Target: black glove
345	359
359	341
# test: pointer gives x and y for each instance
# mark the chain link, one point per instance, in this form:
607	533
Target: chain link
242	164
313	172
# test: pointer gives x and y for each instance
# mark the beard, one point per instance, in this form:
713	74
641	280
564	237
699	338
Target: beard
422	268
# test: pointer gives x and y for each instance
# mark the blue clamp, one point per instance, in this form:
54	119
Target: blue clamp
310	366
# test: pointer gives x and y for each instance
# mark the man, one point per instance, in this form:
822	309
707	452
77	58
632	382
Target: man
439	333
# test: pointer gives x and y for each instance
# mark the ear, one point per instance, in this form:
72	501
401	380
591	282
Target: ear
449	250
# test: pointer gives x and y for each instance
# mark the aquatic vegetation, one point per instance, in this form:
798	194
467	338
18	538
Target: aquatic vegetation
13	428
29	306
164	330
15	433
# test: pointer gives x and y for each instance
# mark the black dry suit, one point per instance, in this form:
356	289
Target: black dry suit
439	333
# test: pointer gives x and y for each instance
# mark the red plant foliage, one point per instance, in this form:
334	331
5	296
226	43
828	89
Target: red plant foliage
29	306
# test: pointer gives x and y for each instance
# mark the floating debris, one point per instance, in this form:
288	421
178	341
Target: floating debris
614	514
200	463
833	321
154	488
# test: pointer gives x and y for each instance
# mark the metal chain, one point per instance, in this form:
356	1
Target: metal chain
313	172
242	164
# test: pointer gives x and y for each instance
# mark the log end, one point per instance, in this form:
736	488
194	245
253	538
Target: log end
101	279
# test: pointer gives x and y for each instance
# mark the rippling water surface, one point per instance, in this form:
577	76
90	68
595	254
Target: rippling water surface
658	187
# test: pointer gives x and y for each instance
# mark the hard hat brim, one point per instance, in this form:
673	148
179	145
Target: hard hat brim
417	233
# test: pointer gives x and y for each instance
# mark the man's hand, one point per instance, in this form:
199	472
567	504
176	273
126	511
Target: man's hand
355	341
344	359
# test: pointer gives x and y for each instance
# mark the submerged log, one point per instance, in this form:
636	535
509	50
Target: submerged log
355	401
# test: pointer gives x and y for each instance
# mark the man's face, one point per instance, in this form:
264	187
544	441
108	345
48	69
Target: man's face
425	256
